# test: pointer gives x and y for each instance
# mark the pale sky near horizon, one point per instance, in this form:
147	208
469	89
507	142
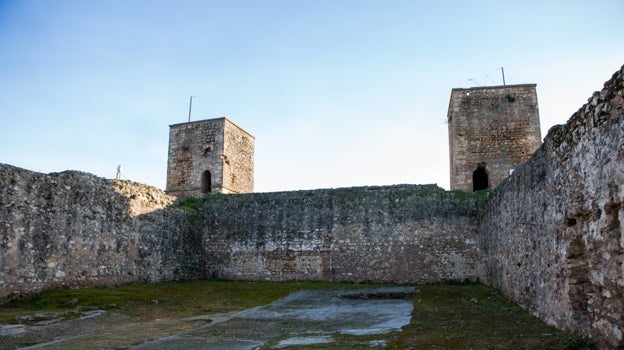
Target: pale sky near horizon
337	93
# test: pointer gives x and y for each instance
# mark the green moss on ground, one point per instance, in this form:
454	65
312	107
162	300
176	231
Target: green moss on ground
445	316
474	316
160	300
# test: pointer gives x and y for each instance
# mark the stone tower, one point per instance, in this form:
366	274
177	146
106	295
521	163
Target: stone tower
209	156
495	125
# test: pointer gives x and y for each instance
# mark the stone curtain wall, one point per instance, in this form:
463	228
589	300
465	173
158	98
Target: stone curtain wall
552	233
403	234
73	229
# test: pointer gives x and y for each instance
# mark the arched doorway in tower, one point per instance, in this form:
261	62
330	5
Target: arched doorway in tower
480	178
206	182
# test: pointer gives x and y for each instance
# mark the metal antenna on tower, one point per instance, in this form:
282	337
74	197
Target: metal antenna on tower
503	71
190	107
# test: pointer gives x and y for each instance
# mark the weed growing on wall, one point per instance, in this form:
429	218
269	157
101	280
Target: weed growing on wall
192	204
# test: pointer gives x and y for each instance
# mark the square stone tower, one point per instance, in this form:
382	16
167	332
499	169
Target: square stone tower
209	156
496	127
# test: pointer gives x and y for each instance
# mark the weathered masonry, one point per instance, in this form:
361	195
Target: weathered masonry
209	156
497	125
74	229
401	234
550	236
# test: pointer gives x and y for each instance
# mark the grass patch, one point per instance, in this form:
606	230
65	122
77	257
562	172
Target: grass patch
193	204
474	316
162	300
190	204
470	194
446	316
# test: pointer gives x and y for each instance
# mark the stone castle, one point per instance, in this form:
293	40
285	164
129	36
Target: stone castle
549	236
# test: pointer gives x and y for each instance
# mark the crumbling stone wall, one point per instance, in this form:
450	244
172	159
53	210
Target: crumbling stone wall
552	236
73	229
403	234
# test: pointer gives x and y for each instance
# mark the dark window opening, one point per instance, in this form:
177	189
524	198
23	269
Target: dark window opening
206	182
480	179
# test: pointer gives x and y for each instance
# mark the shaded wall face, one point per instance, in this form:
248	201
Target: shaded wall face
238	167
496	125
552	234
403	234
74	229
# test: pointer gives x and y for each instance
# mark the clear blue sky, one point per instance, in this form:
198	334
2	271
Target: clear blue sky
337	93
